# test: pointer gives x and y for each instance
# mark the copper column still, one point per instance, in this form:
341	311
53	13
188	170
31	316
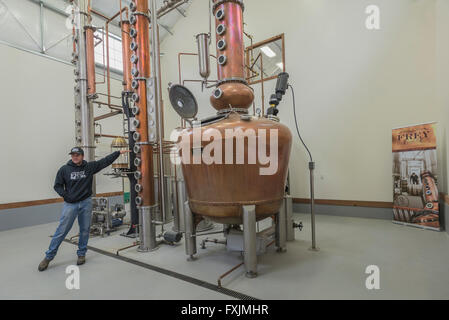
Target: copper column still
90	56
140	60
219	191
126	51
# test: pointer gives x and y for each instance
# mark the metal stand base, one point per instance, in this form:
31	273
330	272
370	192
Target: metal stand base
314	249
290	224
147	230
249	236
281	229
144	250
192	258
190	235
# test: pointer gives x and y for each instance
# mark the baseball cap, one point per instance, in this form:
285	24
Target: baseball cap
77	150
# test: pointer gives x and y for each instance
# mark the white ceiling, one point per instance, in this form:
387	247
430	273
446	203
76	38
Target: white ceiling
166	23
111	7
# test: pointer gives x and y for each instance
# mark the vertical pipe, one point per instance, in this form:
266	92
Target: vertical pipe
262	84
249	235
290	230
190	241
108	67
142	65
126	52
202	40
42	26
281	229
147	230
90	57
312	205
174	200
160	85
182	198
156	75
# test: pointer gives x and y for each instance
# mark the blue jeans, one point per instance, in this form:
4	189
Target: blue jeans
70	211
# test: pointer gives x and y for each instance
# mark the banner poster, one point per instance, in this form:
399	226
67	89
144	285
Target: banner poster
415	190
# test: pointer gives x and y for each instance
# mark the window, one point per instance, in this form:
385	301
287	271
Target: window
115	51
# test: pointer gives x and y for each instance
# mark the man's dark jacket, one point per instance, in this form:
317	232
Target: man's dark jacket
74	183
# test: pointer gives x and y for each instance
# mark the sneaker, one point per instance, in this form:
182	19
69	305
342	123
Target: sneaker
81	261
43	265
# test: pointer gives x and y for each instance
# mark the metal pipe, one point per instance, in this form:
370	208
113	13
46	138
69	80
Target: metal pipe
108	67
181	199
288	203
51	46
174	201
170	6
190	240
107	136
42	26
312	205
90	59
156	75
203	40
110	106
126	52
147	230
100	14
227	273
249	240
262	85
281	237
135	244
107	115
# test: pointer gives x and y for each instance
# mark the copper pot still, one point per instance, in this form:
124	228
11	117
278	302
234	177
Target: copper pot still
219	191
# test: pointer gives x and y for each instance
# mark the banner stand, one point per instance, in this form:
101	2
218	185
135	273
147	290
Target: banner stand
415	179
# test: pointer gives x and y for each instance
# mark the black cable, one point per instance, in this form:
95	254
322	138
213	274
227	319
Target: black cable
296	123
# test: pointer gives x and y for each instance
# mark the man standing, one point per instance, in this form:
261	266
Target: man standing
74	183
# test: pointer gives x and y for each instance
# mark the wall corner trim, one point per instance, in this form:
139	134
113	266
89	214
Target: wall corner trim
23	204
347	203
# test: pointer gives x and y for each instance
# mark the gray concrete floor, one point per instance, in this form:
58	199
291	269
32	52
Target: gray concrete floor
413	265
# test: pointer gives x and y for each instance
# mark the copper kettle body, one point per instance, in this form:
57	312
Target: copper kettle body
219	190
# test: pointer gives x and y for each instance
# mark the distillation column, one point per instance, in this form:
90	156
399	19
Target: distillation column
132	134
145	122
83	59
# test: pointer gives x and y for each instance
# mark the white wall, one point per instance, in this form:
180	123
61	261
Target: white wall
37	130
352	85
442	9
